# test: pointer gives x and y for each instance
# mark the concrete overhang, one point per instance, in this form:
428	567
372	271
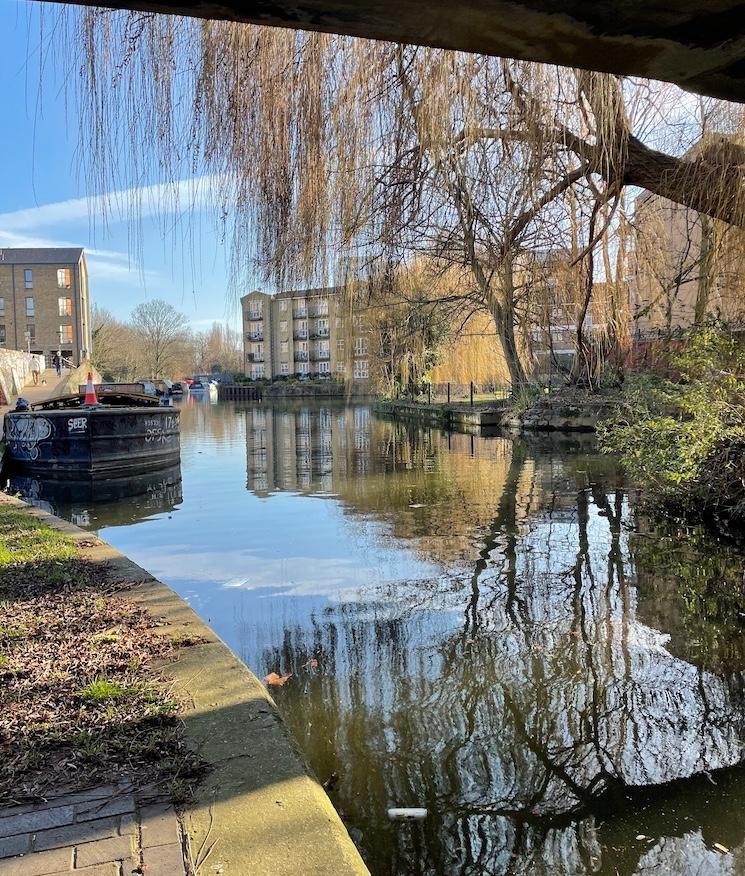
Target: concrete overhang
698	44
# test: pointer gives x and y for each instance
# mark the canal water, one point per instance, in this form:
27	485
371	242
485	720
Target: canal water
491	629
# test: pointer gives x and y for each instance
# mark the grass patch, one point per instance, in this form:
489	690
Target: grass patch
80	699
24	539
101	690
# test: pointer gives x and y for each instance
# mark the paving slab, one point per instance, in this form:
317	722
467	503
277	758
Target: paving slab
109	846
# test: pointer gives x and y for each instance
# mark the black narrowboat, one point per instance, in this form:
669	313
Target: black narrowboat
97	441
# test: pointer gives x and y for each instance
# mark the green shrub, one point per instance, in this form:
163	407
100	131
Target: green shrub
679	433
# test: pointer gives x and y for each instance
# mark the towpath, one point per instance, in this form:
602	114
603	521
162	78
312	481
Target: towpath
104	831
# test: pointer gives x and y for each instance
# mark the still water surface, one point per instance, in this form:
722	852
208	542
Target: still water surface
501	635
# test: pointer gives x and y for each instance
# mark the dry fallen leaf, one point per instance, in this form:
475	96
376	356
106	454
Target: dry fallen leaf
311	664
275	679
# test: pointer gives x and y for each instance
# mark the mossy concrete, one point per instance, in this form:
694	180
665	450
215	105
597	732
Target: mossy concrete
562	412
260	811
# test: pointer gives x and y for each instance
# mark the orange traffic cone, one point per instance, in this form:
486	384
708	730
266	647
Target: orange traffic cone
90	392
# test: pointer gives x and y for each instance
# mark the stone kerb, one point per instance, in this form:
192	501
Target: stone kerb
259	811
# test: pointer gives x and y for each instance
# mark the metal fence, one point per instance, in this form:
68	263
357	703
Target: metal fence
456	393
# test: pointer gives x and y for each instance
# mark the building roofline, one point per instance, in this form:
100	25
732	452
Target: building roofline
63	255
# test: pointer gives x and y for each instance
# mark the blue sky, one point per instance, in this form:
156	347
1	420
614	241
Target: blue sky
43	202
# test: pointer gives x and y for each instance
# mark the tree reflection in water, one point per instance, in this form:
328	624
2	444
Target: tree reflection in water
538	696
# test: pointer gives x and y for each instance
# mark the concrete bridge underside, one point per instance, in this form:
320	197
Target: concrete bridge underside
698	44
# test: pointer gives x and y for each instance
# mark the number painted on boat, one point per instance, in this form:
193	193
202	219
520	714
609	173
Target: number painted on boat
77	424
163	423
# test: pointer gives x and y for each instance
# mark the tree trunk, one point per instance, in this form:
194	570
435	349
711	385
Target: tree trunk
705	271
504	318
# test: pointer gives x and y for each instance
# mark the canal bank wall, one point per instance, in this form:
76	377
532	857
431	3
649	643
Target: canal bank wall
15	372
260	810
576	413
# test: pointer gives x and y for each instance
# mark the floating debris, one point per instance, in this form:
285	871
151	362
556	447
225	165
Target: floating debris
407	814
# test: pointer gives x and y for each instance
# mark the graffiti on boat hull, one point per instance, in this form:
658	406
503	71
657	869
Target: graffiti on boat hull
24	434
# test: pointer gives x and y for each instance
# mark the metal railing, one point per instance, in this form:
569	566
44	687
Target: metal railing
300	335
301	356
255	336
256	315
255	357
456	393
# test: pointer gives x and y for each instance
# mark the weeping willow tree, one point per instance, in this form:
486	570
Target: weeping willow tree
322	156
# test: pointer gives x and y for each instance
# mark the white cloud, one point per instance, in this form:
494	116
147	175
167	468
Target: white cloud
116	206
102	263
21	228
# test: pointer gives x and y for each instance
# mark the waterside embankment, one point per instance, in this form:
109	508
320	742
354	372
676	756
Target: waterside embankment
259	810
560	412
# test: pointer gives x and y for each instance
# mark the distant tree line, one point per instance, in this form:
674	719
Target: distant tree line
158	342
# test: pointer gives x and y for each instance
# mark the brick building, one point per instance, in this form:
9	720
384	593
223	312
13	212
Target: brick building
302	333
44	302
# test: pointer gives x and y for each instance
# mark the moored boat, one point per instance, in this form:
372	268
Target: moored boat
96	441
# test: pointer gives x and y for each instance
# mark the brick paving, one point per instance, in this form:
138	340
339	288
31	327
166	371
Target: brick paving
104	831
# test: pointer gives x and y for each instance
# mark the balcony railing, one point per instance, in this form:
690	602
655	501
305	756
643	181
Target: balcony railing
301	356
256	314
301	335
319	333
255	336
255	357
322	355
299	314
318	311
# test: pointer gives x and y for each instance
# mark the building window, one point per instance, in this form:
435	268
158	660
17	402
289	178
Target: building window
283	325
2	307
360	369
65	306
283	306
302	367
257	372
340	345
284	347
338	322
65	334
360	346
31	332
323	327
284	368
324	368
323	306
63	279
28	278
2	333
30	307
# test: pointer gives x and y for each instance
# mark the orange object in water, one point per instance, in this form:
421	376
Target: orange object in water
90	392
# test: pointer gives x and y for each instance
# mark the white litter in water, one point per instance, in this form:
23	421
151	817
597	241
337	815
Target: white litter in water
407	814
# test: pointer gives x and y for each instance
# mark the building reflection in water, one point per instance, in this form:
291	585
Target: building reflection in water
543	695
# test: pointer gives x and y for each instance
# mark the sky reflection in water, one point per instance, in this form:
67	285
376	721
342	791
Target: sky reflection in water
501	636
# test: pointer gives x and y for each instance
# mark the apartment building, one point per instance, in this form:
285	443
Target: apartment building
44	302
303	333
